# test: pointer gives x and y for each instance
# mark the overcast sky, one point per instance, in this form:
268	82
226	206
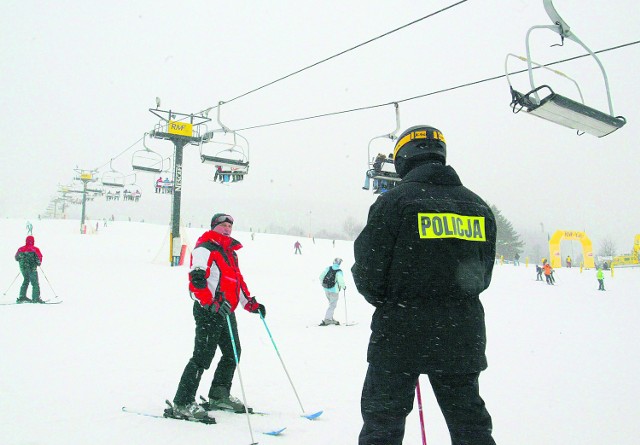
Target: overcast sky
79	77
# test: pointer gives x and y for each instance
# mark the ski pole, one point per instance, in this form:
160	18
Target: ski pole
424	436
346	319
244	398
14	280
45	277
282	361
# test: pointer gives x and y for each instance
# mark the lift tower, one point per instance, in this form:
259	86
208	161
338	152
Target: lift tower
181	129
86	176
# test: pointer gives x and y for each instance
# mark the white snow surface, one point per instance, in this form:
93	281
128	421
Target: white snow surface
563	360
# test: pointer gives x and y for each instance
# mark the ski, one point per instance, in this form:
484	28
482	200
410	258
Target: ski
168	414
328	325
275	432
312	416
27	303
205	404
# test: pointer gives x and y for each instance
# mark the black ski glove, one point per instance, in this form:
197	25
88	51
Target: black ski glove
260	309
197	277
221	305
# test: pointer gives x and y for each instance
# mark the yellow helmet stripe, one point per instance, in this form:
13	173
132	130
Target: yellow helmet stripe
417	135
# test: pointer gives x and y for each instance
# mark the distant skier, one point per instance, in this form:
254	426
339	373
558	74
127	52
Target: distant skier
568	260
547	273
332	280
600	276
29	258
516	259
297	246
539	273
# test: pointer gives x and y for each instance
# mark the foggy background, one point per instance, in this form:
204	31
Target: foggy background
78	80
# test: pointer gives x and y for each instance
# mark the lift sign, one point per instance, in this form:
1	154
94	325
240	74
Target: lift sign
451	225
181	128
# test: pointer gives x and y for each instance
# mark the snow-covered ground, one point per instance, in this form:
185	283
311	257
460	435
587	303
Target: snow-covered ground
563	360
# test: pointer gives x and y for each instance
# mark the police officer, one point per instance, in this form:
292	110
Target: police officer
422	260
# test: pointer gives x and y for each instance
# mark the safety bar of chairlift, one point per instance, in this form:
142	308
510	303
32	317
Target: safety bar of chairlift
147	169
524	59
387	177
113	184
223	161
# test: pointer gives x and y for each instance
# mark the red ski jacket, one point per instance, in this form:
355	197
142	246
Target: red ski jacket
29	247
216	255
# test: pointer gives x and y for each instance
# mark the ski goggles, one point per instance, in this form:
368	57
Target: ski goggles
222	219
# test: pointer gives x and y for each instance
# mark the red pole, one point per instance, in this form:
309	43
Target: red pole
424	437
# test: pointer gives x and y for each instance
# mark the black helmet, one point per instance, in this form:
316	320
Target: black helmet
417	144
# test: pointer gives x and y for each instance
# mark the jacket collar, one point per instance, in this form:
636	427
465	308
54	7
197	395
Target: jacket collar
226	242
436	174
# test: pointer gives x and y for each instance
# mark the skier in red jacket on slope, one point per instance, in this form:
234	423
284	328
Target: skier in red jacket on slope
218	287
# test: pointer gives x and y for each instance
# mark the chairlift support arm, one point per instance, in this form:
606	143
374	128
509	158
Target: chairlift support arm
562	28
391	135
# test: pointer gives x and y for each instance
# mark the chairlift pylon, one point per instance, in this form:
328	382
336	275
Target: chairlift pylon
379	166
555	107
112	178
147	160
226	149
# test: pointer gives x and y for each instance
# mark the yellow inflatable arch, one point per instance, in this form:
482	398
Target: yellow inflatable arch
636	246
554	247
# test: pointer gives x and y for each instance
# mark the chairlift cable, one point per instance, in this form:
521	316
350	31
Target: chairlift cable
120	154
339	54
432	93
370	107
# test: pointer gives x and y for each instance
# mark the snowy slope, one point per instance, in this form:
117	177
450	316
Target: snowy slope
563	361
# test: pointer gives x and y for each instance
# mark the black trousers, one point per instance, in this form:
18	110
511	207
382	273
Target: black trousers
211	331
387	399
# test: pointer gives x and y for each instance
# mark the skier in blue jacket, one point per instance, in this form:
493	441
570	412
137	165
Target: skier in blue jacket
332	280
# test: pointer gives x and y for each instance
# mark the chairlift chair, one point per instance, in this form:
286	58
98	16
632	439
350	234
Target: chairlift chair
387	170
147	160
132	189
555	107
112	178
230	147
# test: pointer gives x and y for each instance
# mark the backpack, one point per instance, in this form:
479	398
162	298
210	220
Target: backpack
329	279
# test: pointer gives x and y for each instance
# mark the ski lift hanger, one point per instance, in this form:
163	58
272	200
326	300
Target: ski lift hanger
147	160
231	148
112	178
387	170
555	107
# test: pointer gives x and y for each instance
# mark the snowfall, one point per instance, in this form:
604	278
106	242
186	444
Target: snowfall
563	360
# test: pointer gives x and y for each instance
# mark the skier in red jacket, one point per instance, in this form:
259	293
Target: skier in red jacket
29	258
218	287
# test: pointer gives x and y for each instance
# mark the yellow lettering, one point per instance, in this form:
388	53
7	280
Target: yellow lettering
451	225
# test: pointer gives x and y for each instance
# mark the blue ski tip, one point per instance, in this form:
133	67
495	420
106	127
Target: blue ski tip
313	416
275	432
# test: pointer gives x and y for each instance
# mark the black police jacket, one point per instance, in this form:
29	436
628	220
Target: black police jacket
422	260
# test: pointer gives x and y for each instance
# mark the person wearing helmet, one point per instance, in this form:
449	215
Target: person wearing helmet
423	258
332	280
218	288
